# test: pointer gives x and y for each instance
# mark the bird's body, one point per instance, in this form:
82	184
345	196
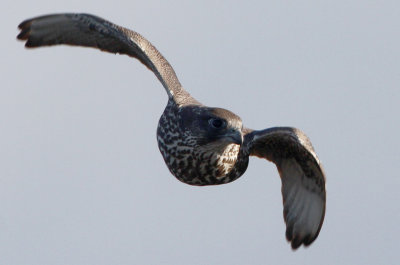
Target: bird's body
203	145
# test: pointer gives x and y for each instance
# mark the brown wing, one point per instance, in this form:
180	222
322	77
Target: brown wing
91	31
303	179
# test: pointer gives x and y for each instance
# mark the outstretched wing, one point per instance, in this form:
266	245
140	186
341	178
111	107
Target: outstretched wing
91	31
303	179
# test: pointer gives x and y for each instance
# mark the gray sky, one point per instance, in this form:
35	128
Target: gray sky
81	177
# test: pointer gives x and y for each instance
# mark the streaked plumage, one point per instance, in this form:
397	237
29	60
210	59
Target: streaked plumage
203	145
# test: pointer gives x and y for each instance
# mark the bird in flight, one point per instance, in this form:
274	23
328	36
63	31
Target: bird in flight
203	145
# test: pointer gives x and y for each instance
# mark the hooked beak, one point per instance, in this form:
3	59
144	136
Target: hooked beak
234	136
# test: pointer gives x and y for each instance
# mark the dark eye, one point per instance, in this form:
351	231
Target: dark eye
217	123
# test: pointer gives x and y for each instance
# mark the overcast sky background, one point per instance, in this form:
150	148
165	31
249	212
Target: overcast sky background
81	177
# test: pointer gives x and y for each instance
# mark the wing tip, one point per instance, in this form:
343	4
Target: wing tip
25	23
25	28
26	34
297	240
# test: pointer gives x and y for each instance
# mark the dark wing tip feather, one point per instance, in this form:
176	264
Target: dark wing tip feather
25	28
308	240
296	242
32	44
289	233
25	34
25	23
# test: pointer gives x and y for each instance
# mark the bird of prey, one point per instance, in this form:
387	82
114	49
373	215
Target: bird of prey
203	145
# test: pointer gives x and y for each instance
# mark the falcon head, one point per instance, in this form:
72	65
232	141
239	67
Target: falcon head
212	127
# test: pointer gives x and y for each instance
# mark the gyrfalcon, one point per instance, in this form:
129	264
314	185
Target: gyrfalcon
203	145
